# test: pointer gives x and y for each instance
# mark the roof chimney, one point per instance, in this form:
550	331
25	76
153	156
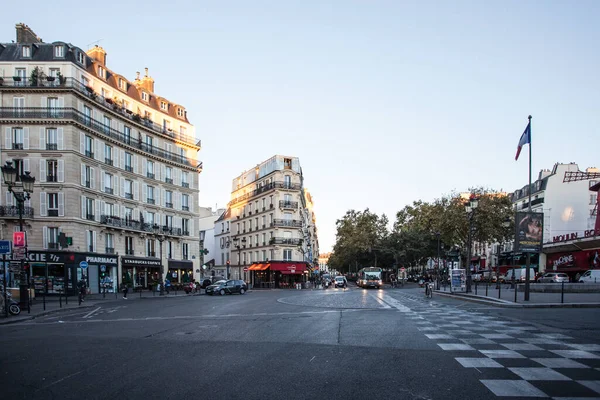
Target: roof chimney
147	82
26	35
98	54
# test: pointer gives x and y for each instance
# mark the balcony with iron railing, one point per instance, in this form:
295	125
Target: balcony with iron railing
74	84
169	180
90	217
285	241
290	205
292	223
127	223
96	126
129	252
128	168
53	246
185	184
109	190
150	201
129	196
266	188
109	250
185	208
108	161
51	178
13	212
17	146
150	175
51	146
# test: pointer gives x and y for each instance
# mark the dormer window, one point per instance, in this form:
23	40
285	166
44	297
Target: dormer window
59	51
101	72
144	96
122	84
180	112
26	51
163	106
80	58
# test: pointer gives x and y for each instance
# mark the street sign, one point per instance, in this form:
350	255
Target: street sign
402	269
83	264
4	246
19	239
245	269
19	253
103	268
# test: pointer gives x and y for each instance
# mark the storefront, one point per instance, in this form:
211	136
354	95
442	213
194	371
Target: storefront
574	253
54	272
288	273
101	273
141	273
180	271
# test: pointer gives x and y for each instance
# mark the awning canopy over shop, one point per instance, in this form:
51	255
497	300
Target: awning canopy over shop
258	267
288	266
181	264
590	243
296	272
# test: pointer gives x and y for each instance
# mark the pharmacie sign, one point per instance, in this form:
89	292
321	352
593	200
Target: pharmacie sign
575	235
101	260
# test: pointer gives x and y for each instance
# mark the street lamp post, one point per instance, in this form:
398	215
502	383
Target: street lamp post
202	237
470	208
238	246
161	239
23	193
437	268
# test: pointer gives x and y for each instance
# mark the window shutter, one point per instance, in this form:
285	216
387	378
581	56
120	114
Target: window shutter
122	159
94	244
83	211
61	170
191	203
97	150
45	236
122	187
61	204
145	167
136	193
43	204
100	151
42	138
163	199
136	214
115	183
82	174
145	190
42	170
8	138
81	143
60	139
92	178
44	102
163	171
192	227
26	138
26	165
98	210
135	164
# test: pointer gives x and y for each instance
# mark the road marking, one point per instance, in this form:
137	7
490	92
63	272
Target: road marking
394	303
91	313
312	358
380	301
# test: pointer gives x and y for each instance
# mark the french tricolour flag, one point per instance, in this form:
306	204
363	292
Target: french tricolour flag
525	139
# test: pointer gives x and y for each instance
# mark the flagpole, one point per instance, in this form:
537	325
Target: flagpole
528	264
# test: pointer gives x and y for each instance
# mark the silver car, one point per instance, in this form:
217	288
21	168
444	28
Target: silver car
554	277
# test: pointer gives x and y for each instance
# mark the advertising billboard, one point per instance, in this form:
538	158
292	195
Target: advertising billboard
529	232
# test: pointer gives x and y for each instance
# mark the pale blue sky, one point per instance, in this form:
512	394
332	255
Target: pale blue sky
385	102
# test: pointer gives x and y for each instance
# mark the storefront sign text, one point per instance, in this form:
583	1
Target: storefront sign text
575	235
564	260
141	262
101	260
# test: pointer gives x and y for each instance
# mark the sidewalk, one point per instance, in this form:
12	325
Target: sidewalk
57	305
505	297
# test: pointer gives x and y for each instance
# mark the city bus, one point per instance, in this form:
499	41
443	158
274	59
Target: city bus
369	277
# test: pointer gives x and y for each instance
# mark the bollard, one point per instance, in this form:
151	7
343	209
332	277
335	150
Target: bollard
476	288
562	292
60	299
140	293
499	290
486	288
516	290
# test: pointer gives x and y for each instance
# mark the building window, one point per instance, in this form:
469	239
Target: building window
169	175
287	255
150	169
101	72
52	237
108	154
108	183
80	58
17	138
128	214
106	127
128	163
88	177
149	141
91	240
287	181
166	125
184	251
128	189
150	218
169	249
185	226
169	199
150	248
593	199
150	199
59	51
109	209
144	96
89	209
127	134
87	115
51	139
51	171
184	179
182	130
26	51
129	245
89	147
52	204
110	244
185	202
163	105
122	85
180	112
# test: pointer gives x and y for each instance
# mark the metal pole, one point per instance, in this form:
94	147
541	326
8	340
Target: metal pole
4	286
562	292
516	290
23	289
469	253
526	298
45	284
437	275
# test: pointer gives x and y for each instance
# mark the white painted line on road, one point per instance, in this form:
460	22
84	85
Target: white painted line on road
383	304
394	303
312	358
88	315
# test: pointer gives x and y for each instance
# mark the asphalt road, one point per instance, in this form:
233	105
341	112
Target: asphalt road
288	344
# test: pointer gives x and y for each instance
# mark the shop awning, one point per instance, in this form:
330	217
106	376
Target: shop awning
258	267
299	267
296	272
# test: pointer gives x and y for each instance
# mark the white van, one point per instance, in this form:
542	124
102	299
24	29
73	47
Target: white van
591	276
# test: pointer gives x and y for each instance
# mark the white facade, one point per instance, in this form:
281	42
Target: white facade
206	224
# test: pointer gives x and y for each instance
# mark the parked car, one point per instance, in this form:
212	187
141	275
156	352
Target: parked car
227	287
591	276
340	281
205	283
553	277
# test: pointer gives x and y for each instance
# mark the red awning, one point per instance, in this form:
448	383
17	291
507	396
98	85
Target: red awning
258	267
296	272
299	267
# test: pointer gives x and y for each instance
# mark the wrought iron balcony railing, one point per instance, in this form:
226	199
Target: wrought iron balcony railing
51	146
96	126
72	83
51	178
287	223
266	188
13	212
109	250
169	180
285	241
288	204
128	168
127	223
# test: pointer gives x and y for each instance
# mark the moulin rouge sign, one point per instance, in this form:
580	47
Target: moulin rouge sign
575	235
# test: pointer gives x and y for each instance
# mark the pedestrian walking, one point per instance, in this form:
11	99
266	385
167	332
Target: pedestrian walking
125	290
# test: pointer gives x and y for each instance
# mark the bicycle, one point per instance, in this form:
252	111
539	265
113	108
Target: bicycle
429	290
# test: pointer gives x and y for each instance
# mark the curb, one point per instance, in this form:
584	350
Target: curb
509	304
10	320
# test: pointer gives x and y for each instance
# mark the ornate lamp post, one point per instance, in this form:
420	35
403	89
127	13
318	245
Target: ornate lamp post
21	193
470	209
236	243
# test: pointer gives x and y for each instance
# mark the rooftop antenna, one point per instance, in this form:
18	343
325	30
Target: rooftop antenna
89	46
